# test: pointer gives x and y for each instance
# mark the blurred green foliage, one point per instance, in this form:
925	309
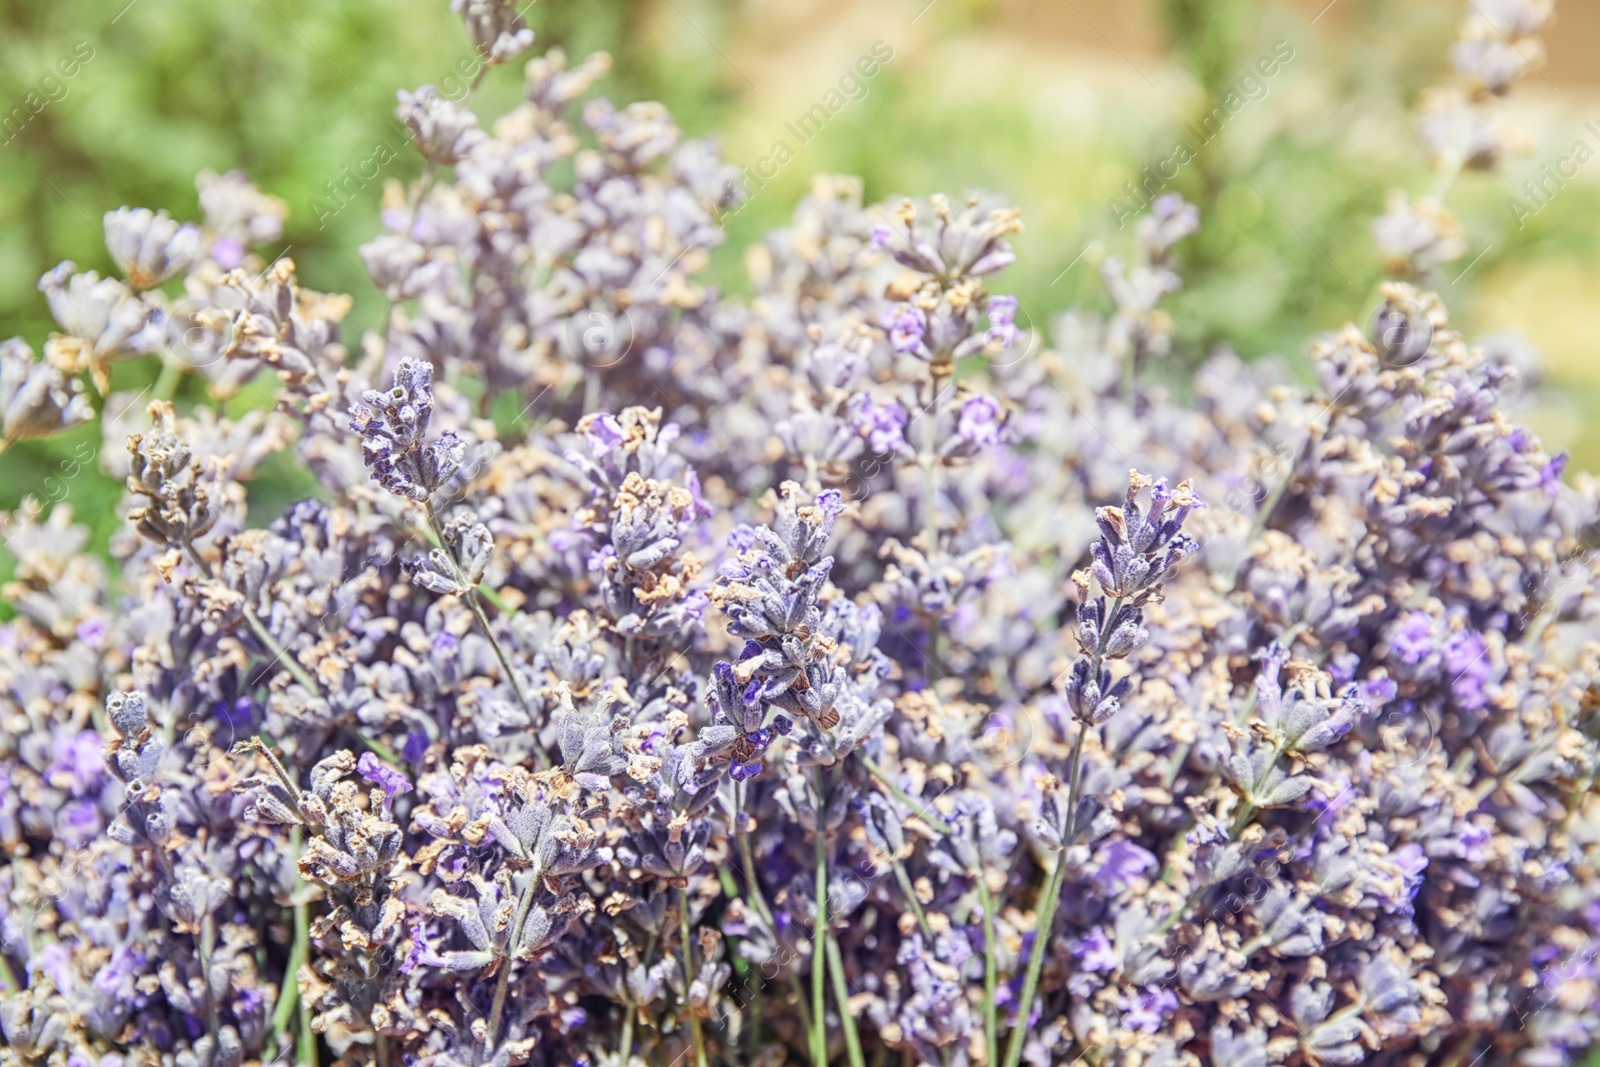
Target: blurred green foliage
293	91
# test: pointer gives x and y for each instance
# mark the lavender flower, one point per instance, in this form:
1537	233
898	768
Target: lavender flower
393	428
917	788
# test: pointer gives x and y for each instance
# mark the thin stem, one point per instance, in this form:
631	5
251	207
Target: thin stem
473	602
900	794
741	966
819	1037
755	1020
1270	504
1130	370
1047	908
841	996
1072	788
688	979
591	389
904	879
279	653
1246	809
255	744
991	1016
626	1048
765	912
171	373
500	603
477	80
208	935
497	1008
377	748
289	991
930	478
302	951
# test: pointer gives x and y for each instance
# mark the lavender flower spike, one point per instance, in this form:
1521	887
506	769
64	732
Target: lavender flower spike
393	428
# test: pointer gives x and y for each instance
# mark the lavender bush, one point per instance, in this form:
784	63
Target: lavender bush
814	678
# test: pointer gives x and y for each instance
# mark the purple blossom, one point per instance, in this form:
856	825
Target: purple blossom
884	424
1147	1010
1550	475
1095	953
92	632
78	762
1119	863
1467	666
1002	321
603	432
1412	641
391	781
906	327
979	422
647	687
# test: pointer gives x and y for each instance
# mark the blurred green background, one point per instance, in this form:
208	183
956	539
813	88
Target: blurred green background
1053	104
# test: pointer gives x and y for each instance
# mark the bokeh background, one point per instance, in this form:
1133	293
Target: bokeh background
1054	104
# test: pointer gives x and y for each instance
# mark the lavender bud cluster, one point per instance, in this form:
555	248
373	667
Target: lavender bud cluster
804	678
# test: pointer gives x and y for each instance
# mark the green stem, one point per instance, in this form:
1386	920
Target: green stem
208	934
900	794
279	653
841	996
688	979
626	1048
288	997
499	602
1072	789
755	1020
171	373
1047	907
491	1036
307	1041
471	597
904	879
377	748
760	902
741	966
930	477
819	1037
991	1018
1246	809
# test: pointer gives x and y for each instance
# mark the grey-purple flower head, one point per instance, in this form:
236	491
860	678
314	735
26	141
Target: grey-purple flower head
393	428
1136	548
